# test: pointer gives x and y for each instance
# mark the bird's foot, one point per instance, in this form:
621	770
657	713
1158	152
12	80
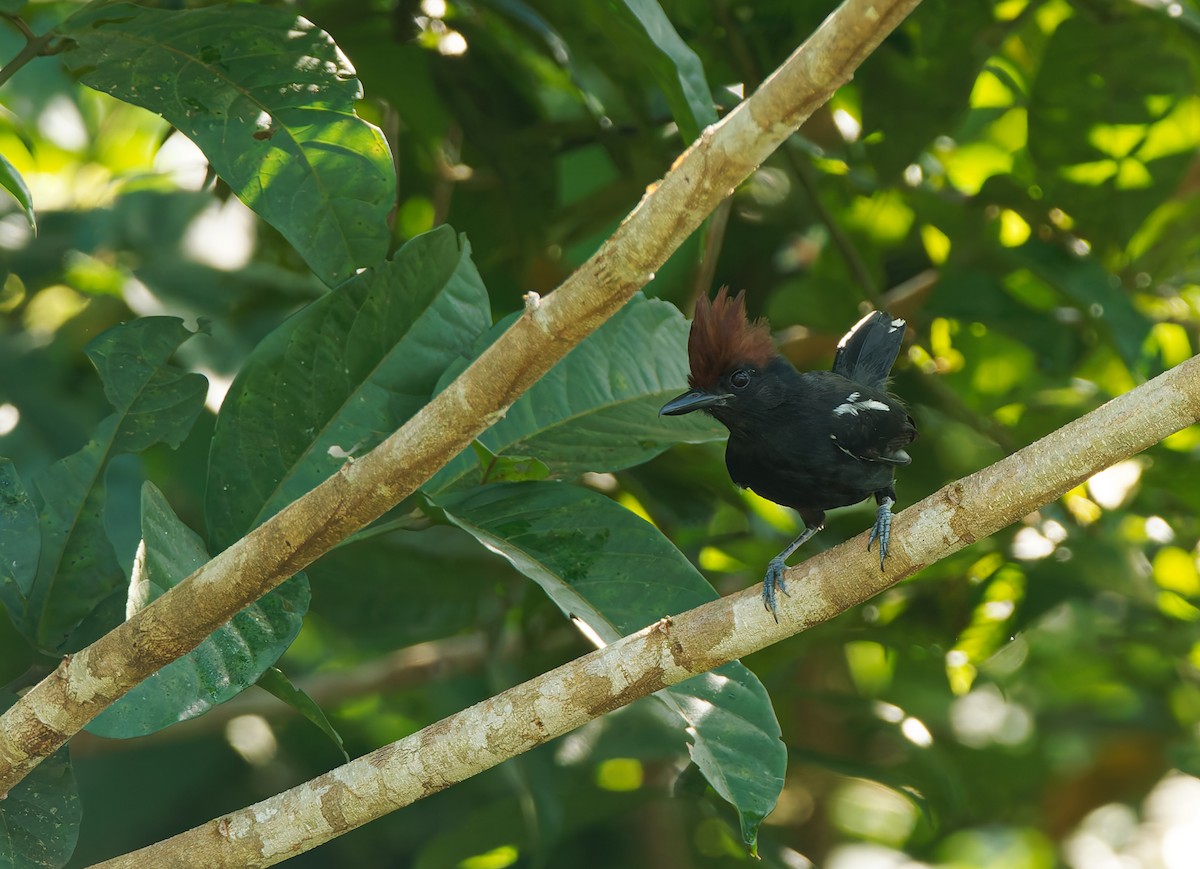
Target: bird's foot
882	530
773	582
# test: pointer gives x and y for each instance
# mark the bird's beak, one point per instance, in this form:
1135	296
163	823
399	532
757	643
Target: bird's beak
694	400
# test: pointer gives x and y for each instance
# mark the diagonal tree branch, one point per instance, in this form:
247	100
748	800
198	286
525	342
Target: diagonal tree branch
673	649
88	682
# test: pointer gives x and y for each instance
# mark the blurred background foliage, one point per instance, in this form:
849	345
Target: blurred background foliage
1017	178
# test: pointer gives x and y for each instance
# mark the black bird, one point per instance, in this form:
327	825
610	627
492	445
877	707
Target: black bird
810	441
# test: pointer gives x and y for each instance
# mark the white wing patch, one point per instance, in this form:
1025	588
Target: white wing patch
855	403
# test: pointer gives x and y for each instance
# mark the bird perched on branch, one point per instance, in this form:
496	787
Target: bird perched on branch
810	441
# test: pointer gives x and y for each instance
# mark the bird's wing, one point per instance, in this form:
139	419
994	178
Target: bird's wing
870	427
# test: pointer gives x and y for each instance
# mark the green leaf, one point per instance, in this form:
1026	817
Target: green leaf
597	409
269	99
156	402
507	469
40	816
233	657
676	67
12	181
374	591
617	573
340	376
76	567
20	540
278	684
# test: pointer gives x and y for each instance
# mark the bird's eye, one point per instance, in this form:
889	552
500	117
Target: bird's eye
740	379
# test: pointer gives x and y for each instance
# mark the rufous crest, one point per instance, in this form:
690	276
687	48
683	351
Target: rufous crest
723	339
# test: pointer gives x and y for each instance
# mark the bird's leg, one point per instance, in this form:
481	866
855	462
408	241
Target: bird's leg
777	565
883	524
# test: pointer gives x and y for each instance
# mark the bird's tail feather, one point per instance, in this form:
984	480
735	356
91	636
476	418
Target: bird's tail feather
867	352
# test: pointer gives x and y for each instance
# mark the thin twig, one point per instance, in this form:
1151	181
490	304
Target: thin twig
35	47
48	43
845	246
18	22
450	172
714	239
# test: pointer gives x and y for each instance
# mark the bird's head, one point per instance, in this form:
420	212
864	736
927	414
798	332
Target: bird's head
733	361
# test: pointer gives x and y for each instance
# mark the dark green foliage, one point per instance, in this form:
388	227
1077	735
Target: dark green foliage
155	402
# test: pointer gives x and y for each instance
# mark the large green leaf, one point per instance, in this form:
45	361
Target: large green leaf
597	409
617	573
339	377
676	67
20	541
155	402
11	180
269	99
40	816
232	658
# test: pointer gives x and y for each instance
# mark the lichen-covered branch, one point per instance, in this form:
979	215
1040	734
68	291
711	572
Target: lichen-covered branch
725	154
671	650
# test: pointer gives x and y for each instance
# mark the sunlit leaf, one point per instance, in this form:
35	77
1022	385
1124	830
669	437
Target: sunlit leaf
910	103
333	381
1084	132
12	181
508	469
1176	570
269	99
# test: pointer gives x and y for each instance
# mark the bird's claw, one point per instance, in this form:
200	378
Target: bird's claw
774	582
882	531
